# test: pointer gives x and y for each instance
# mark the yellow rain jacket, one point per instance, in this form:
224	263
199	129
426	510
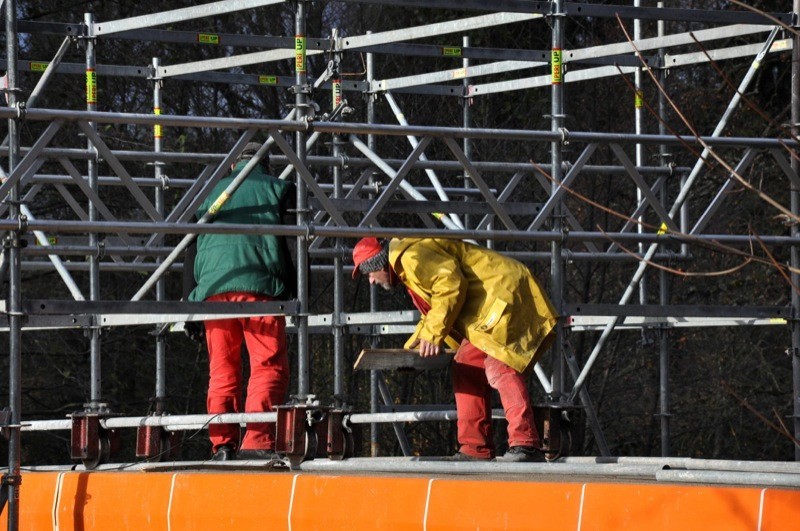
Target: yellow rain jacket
491	300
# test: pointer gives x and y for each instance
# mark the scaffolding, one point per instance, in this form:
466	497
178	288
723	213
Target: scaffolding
450	195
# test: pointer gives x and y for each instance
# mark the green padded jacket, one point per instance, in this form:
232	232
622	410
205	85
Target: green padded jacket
246	262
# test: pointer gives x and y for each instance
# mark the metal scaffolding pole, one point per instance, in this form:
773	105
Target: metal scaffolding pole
301	104
795	253
556	157
466	121
95	398
664	279
338	264
374	376
158	170
11	481
638	114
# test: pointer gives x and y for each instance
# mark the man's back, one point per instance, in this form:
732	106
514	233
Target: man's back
245	262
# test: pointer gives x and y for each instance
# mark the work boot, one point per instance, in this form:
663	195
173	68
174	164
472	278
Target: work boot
264	454
224	453
461	456
522	454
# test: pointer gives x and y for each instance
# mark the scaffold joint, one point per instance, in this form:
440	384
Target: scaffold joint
564	135
101	249
22	224
564	234
22	110
12	480
300	89
310	232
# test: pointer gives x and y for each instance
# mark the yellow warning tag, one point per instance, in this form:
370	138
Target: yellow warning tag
663	229
218	203
157	127
91	86
437	215
638	99
300	53
555	62
207	38
451	51
38	67
336	92
461	73
268	80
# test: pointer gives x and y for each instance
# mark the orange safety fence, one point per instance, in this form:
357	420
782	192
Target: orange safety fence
244	501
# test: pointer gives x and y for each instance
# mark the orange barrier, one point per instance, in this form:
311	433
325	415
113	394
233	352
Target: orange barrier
244	501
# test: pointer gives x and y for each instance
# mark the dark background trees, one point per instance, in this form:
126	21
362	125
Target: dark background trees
717	374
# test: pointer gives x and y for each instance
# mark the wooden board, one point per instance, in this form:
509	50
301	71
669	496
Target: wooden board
399	358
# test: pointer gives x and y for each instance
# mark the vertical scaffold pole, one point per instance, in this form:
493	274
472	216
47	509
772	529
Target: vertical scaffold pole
664	285
12	479
795	255
638	114
557	124
301	102
158	173
467	120
374	391
338	272
94	260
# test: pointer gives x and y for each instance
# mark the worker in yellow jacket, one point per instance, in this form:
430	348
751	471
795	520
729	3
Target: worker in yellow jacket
487	306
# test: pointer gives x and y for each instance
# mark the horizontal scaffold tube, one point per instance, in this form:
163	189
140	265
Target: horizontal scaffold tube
311	231
689	463
317	160
174	422
391	130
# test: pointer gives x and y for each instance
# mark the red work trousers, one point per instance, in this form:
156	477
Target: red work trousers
475	374
265	338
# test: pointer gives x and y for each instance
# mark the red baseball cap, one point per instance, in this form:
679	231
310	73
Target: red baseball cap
365	249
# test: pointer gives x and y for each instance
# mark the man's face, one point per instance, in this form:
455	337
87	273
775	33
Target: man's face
381	278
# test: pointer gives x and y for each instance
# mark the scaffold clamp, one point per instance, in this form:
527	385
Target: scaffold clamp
12	480
22	109
23	223
564	135
300	89
310	232
101	249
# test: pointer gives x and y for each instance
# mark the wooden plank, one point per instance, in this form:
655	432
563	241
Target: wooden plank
399	358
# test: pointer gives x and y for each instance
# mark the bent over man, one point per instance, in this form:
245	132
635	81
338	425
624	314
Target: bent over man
491	309
241	268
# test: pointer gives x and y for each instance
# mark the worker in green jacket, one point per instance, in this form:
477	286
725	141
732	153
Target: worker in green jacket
243	268
487	306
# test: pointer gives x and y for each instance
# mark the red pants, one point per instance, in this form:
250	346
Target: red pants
265	338
475	374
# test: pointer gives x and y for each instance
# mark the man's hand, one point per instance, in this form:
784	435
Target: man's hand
195	330
428	349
